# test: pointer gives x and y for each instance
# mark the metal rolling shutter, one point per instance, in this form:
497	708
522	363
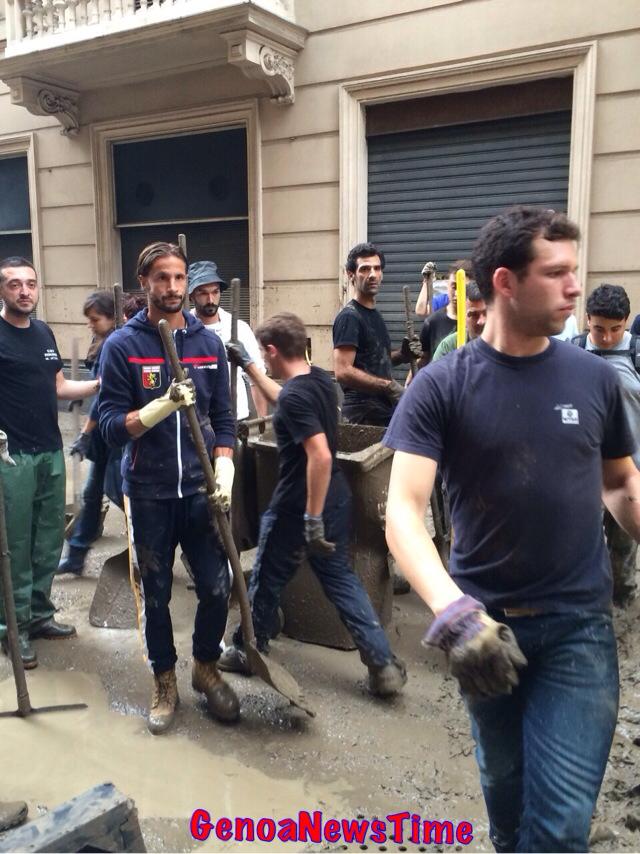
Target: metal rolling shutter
431	190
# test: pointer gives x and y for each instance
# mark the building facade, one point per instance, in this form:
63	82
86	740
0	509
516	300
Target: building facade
276	134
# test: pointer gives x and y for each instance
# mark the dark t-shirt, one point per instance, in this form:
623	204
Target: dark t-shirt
520	442
436	327
365	329
307	405
29	362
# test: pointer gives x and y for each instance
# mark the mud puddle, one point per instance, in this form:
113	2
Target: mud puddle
359	757
58	755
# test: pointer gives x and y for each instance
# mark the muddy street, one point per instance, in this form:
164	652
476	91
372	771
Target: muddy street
359	758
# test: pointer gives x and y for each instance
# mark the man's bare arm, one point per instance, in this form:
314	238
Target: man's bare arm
135	428
397	358
259	401
422	303
621	493
352	377
319	465
411	483
75	389
268	387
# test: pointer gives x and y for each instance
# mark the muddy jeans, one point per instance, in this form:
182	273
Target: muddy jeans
542	751
280	550
623	550
156	526
34	491
87	525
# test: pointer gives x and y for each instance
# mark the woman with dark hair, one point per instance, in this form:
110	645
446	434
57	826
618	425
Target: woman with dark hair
104	473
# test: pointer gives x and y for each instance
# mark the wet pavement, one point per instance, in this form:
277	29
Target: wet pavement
359	758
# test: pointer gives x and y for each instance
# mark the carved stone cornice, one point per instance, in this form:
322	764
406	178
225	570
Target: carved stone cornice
262	59
46	99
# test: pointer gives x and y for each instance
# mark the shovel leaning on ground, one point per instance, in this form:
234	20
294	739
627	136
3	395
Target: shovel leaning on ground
113	605
268	670
24	703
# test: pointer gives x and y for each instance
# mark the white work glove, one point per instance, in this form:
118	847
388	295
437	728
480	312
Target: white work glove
224	472
178	394
4	450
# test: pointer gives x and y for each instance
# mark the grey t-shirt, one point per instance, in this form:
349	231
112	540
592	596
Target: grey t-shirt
629	381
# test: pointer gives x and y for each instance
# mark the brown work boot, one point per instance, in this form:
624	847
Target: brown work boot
221	698
388	680
164	702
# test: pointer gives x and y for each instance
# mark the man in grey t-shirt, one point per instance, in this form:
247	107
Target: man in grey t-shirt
608	310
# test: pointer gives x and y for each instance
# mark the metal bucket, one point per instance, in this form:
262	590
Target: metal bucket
309	616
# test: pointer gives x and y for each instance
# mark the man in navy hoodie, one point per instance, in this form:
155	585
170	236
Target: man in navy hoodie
141	408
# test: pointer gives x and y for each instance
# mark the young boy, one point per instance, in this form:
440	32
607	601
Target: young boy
608	310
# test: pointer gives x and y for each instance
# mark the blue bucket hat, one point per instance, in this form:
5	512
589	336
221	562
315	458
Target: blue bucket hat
204	273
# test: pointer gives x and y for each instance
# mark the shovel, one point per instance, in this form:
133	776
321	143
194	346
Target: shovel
24	703
235	311
113	605
269	671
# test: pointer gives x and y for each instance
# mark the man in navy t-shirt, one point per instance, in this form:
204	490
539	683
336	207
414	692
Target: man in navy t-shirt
34	486
529	434
310	506
362	354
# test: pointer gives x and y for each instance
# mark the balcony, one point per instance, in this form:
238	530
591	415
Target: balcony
58	49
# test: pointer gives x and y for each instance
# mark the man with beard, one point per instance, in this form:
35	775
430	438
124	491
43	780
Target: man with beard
165	502
205	290
362	354
34	488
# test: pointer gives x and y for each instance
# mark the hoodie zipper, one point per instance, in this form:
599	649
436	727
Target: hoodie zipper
178	435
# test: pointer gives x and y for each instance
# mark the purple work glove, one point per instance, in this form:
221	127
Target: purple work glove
483	654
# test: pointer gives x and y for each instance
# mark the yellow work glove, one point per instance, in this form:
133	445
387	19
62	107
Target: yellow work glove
178	394
224	472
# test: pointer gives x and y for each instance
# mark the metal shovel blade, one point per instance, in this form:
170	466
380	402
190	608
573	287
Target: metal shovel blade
114	605
277	677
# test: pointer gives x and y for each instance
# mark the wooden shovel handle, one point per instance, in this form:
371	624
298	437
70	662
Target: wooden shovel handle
117	305
235	311
218	518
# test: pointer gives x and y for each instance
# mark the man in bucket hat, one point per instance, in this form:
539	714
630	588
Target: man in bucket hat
205	289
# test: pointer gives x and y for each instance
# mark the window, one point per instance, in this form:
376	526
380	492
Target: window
195	184
15	217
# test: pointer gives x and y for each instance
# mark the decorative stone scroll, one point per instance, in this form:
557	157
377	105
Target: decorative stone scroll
263	60
45	99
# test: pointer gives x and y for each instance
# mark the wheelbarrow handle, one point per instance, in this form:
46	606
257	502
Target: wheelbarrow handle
218	517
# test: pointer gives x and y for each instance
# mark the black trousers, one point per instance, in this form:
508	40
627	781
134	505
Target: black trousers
156	526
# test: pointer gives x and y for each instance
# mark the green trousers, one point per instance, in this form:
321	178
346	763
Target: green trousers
34	496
